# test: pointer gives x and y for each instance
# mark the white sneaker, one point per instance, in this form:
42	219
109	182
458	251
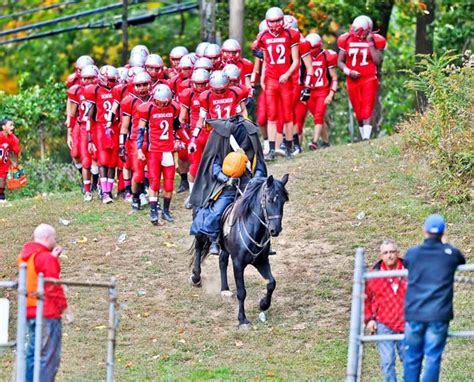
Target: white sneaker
143	200
87	196
266	147
106	199
280	152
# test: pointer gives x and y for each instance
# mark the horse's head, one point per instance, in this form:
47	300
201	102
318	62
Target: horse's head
274	198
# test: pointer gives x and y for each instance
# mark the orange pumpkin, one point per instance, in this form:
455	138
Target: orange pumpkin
235	164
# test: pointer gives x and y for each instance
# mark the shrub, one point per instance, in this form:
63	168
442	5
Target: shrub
444	131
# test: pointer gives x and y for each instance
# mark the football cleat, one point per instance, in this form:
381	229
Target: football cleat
136	204
313	146
106	198
325	145
270	157
280	152
183	186
143	200
154	216
266	147
166	215
88	196
297	150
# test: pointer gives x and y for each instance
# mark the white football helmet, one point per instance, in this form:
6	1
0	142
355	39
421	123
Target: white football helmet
315	40
218	81
200	48
203	63
141	49
108	76
162	95
232	71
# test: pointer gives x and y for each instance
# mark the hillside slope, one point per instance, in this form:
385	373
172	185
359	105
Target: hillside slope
171	331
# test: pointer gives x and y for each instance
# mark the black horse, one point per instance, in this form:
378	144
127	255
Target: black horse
256	218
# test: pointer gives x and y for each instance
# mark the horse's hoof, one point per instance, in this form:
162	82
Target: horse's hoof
194	284
245	327
227	295
262	317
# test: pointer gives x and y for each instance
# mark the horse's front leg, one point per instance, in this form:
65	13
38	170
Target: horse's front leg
226	294
265	270
195	278
241	294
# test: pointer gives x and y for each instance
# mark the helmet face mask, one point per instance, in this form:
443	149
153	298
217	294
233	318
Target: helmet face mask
361	27
274	18
142	84
231	51
89	75
108	76
200	80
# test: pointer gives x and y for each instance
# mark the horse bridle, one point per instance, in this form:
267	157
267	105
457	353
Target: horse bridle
266	218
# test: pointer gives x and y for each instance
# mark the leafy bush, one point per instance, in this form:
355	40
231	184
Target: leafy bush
46	176
444	131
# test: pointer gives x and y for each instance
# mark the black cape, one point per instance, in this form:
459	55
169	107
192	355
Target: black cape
205	185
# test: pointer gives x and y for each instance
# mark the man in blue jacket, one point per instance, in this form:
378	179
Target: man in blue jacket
429	301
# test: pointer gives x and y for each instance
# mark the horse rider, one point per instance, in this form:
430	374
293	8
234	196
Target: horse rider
232	157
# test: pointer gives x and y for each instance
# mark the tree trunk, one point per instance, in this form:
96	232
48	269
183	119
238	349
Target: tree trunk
386	8
124	32
236	20
424	43
208	20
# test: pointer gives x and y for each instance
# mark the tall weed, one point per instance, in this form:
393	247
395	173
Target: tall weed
444	132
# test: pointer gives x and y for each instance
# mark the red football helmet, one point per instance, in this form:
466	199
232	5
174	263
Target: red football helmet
231	51
274	18
361	27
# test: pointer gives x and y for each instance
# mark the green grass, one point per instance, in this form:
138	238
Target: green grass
170	331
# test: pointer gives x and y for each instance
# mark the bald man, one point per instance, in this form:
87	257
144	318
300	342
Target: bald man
42	256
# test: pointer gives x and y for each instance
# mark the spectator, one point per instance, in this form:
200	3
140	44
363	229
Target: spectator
429	301
9	148
384	307
41	256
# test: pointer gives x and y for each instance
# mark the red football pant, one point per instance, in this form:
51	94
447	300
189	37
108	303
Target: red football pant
279	100
363	93
156	169
300	109
262	113
135	164
317	107
195	157
76	142
86	156
107	148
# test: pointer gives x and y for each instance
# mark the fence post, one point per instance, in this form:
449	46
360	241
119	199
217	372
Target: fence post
353	351
38	328
111	331
21	326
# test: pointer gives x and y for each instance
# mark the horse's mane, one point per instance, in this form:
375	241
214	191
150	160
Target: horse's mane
249	201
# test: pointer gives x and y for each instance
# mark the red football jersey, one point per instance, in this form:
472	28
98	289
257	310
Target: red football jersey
322	61
175	83
76	94
7	144
189	98
358	55
129	106
304	48
160	81
102	98
246	69
219	106
277	51
160	125
170	72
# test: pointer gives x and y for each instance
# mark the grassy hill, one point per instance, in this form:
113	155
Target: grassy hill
171	331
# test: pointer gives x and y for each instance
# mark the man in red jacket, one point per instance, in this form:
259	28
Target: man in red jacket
42	256
384	304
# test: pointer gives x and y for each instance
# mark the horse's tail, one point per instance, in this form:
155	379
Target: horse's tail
199	241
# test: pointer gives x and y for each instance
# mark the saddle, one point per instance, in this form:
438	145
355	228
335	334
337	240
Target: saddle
227	220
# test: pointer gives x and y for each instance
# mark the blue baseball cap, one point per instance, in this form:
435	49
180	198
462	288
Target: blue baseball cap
435	224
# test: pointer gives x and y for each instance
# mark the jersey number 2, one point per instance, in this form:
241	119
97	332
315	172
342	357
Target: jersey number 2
165	126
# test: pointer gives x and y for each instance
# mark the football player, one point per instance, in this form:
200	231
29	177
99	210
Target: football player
175	55
129	134
360	52
100	100
324	62
232	54
186	65
75	78
9	144
233	73
213	53
160	118
154	66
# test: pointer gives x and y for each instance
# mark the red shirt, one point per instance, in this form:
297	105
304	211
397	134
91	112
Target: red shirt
304	48
189	98
7	144
175	83
385	299
170	72
277	51
358	56
102	98
160	125
76	95
219	106
129	106
246	69
322	61
55	301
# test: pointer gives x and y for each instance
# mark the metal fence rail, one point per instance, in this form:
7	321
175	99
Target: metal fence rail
356	334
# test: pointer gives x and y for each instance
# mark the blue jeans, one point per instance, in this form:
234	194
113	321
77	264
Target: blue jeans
50	350
424	339
388	353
